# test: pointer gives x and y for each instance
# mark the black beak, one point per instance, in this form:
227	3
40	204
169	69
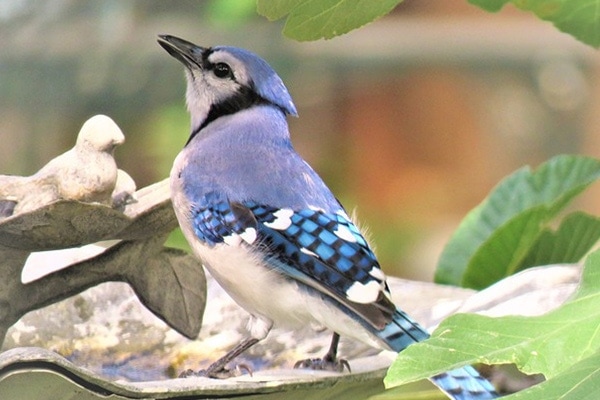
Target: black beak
187	53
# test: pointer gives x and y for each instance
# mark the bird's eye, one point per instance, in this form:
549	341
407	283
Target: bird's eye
222	70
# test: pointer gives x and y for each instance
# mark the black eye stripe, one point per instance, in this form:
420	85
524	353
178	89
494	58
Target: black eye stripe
205	63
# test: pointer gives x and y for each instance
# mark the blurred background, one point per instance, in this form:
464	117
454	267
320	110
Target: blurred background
411	120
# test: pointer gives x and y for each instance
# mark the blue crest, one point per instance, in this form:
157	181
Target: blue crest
265	80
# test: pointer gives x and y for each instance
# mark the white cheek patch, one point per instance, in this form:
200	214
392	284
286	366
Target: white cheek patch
364	293
283	219
345	234
220	89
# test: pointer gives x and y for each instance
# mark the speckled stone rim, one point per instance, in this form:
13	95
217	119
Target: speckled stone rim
26	371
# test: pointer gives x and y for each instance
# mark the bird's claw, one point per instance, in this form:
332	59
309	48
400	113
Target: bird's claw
218	373
323	364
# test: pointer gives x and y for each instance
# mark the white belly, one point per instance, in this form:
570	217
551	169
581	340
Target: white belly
272	299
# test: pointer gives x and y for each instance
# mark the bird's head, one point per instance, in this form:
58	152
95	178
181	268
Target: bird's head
223	80
99	134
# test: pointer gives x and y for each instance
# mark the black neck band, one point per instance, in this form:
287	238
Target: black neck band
243	99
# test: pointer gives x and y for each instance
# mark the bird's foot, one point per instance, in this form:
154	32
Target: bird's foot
218	372
323	364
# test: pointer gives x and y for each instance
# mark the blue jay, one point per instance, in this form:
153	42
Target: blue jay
267	227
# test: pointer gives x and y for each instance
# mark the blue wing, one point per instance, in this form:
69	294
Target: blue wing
326	252
323	250
216	220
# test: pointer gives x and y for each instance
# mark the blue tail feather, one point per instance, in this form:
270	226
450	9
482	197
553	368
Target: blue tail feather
460	384
465	384
401	332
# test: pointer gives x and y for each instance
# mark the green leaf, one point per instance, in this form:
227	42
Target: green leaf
422	390
496	236
318	19
577	233
275	9
580	382
550	344
490	5
578	18
499	256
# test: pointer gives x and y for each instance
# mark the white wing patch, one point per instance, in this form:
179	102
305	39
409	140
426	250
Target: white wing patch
283	219
345	234
343	214
377	273
364	293
307	251
248	236
232	240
